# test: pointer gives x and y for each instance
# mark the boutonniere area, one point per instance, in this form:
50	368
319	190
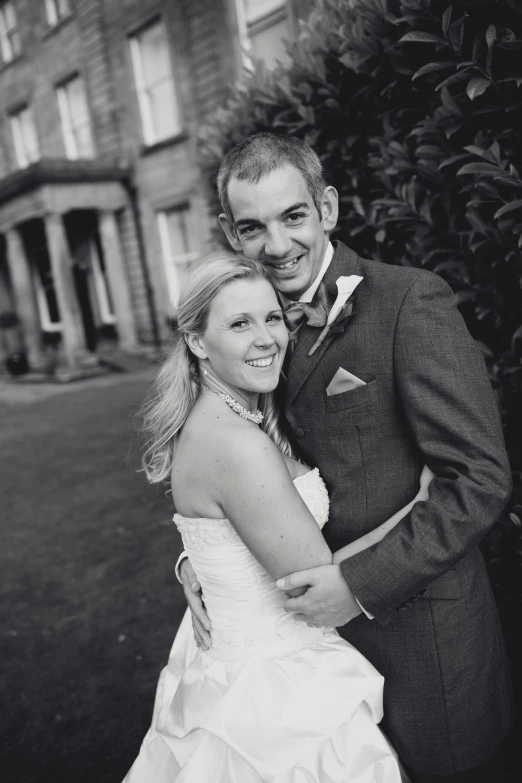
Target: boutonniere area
341	310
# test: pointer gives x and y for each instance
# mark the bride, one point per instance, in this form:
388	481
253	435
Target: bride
272	699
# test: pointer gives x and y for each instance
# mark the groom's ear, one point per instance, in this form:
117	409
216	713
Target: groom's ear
230	232
330	208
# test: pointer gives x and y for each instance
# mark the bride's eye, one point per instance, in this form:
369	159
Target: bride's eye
277	317
239	324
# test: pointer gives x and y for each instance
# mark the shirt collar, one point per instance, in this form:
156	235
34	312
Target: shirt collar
310	292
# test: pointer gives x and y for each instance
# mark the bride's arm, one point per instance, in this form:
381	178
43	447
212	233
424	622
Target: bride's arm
254	489
374	536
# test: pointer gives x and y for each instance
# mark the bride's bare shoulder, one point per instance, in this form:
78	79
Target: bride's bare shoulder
218	435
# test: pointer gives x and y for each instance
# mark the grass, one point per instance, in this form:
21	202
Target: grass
90	601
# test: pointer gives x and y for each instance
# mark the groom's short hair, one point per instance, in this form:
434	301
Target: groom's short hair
262	153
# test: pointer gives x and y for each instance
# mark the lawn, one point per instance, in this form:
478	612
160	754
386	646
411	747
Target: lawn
90	601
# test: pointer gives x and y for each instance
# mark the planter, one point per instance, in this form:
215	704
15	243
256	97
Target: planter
16	364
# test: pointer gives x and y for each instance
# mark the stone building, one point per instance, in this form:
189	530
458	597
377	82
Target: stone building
101	205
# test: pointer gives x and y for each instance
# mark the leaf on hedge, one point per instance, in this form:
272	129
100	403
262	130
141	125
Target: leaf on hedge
476	223
449	101
358	206
479	168
477	86
446	19
347	60
431	67
421	37
491	35
486	350
428	149
513	183
486	154
512	45
465	296
458	268
453	159
511	207
460	76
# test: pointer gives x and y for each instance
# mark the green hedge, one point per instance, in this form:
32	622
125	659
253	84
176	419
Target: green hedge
415	109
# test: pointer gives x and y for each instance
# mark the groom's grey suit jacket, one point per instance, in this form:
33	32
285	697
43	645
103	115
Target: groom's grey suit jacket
427	400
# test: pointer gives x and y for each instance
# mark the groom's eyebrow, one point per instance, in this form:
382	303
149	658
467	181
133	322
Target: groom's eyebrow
295	208
288	211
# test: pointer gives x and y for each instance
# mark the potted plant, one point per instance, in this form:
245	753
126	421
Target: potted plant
15	358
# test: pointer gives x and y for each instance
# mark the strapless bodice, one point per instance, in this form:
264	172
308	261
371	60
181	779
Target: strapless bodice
273	699
244	605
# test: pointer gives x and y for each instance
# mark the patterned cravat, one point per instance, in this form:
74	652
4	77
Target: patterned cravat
296	313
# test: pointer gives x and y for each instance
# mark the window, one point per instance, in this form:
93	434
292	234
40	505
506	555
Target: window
178	246
75	120
56	11
24	137
262	26
154	81
9	37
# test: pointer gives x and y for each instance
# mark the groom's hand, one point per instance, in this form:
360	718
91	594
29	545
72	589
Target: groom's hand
200	619
328	600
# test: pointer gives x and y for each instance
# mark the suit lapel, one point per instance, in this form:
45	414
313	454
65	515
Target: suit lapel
301	365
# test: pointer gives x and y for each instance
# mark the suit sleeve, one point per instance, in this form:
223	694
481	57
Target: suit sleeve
449	405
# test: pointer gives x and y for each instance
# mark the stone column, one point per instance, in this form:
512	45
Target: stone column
25	298
73	337
117	274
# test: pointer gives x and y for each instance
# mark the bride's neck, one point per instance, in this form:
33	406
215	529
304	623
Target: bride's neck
248	399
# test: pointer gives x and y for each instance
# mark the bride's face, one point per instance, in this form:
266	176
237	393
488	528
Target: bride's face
245	340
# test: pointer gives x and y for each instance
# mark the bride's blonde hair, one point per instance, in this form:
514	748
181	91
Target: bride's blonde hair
178	384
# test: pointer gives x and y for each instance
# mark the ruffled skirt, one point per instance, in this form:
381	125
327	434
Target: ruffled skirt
307	716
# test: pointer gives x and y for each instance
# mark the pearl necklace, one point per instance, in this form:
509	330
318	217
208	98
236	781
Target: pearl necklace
256	417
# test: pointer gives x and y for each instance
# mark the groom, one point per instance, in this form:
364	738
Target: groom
395	384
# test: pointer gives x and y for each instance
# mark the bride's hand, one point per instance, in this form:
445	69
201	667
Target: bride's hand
200	618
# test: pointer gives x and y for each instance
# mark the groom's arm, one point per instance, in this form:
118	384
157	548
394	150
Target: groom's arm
450	408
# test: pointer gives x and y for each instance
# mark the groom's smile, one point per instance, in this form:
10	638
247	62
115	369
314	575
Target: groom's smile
277	223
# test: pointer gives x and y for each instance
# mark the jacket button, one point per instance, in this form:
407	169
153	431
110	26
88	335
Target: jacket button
299	432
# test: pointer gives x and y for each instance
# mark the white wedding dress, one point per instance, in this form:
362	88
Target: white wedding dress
273	699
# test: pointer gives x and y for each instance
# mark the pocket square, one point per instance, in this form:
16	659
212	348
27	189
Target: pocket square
343	381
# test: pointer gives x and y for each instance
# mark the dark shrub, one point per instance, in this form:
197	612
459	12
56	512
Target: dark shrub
415	109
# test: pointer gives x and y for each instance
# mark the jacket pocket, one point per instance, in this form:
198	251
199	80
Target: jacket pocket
362	395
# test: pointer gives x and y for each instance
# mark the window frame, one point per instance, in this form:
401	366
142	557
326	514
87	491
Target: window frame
10	41
23	154
69	136
149	135
249	28
53	13
167	255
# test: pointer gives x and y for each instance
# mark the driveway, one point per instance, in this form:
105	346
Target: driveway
89	598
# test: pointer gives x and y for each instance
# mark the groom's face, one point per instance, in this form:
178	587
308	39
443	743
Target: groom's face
276	222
